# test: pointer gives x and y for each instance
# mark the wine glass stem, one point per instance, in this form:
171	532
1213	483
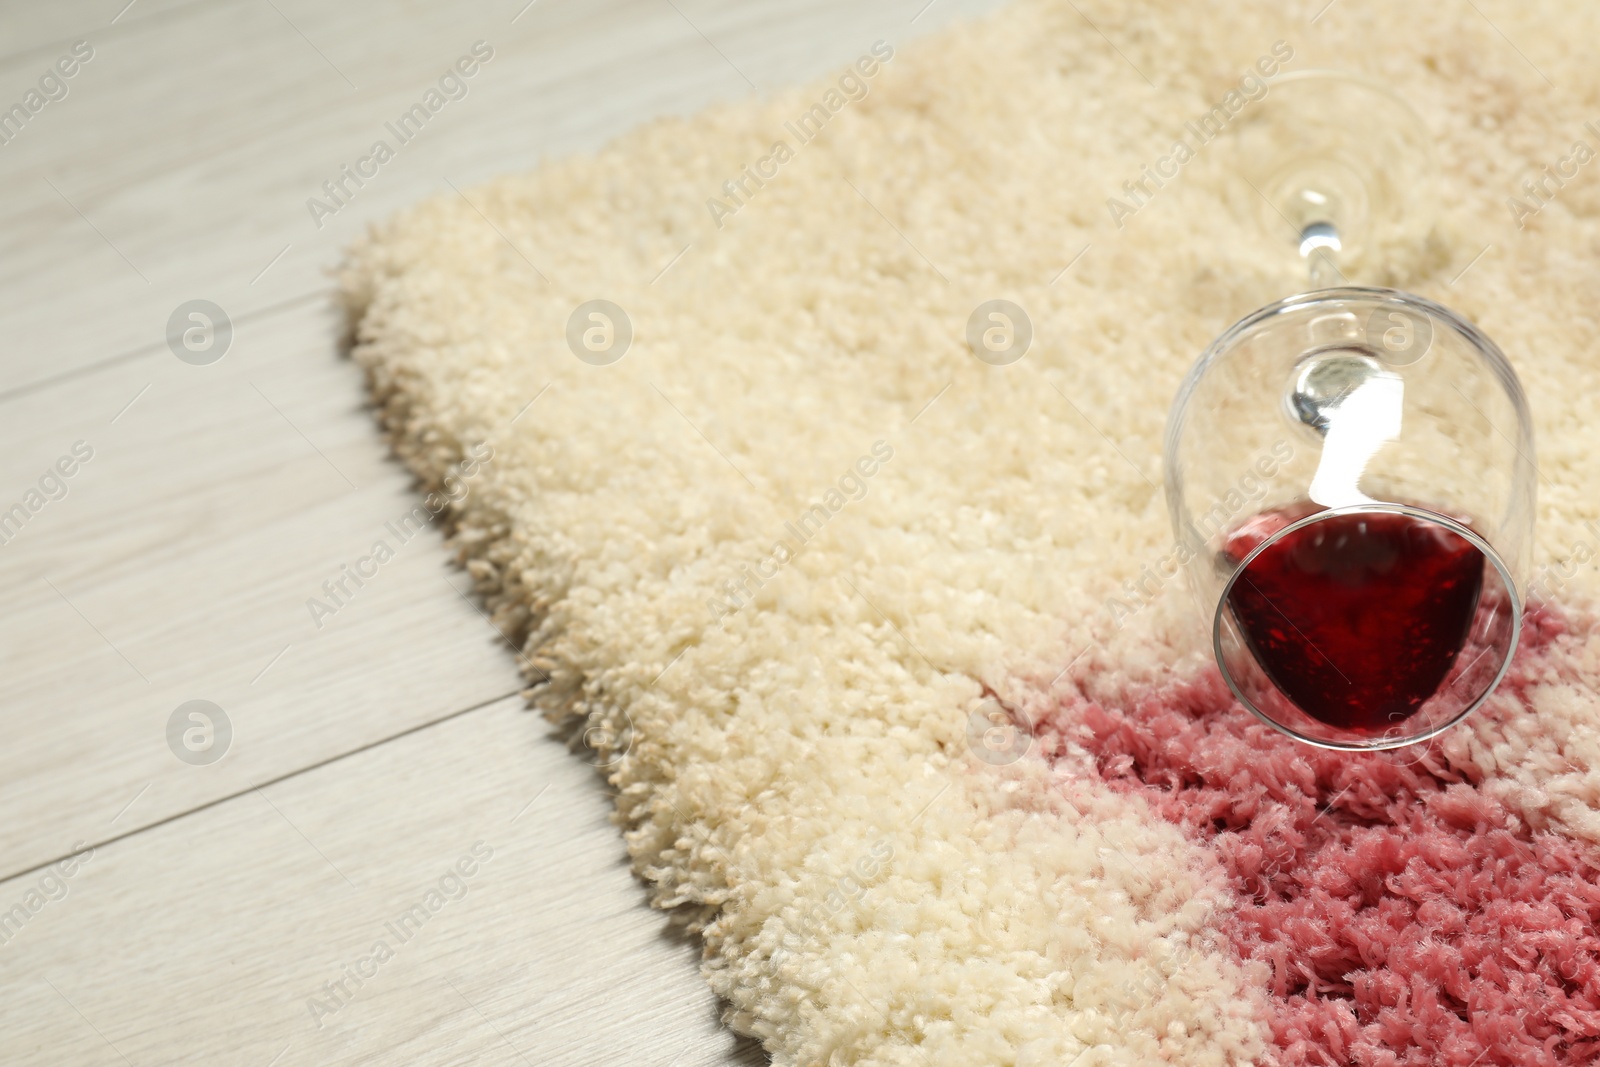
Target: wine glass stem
1324	274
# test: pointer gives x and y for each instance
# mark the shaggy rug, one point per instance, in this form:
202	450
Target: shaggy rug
875	639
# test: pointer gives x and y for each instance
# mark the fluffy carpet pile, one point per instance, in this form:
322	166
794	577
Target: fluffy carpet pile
1404	913
874	637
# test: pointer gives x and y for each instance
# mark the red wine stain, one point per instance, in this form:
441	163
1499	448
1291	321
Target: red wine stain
1356	618
1405	915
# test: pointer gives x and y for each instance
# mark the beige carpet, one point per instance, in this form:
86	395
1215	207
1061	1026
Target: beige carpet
797	561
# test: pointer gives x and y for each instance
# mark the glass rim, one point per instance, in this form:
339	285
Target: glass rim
1378	507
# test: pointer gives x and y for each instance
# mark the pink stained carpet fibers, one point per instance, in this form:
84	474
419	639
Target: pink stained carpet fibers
1406	917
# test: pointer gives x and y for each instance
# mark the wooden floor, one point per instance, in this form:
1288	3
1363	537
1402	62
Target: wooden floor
378	779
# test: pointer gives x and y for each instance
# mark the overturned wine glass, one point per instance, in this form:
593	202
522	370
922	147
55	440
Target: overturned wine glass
1349	471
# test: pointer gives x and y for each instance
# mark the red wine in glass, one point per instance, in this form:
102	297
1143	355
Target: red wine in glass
1356	618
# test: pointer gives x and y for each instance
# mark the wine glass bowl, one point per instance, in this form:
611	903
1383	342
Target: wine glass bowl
1350	478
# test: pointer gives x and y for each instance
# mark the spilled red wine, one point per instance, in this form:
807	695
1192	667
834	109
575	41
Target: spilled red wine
1357	618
